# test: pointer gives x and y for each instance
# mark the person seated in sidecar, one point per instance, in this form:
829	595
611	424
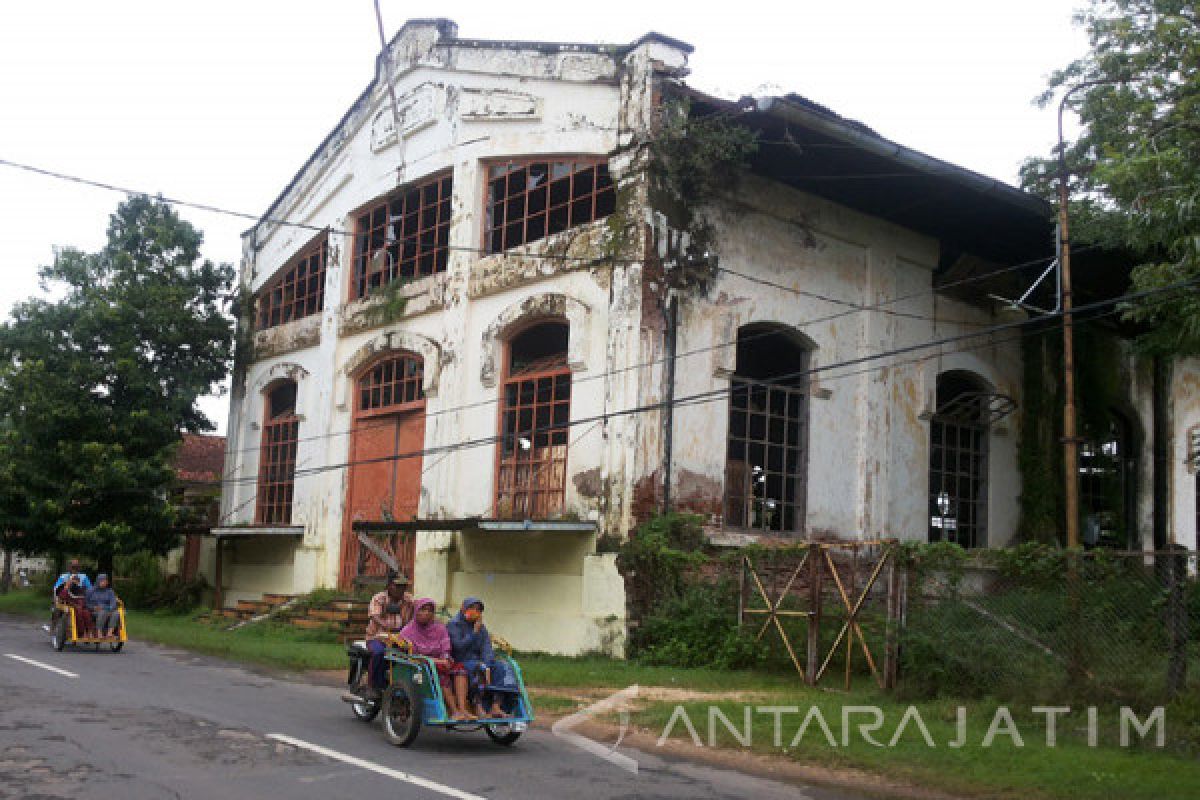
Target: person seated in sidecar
428	637
73	572
471	645
388	612
74	595
102	602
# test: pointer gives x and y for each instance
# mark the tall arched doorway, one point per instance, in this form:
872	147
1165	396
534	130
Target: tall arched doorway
384	480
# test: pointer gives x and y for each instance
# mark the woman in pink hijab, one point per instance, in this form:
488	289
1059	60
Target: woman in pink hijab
429	637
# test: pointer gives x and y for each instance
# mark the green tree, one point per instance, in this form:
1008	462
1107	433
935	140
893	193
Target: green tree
99	378
1135	167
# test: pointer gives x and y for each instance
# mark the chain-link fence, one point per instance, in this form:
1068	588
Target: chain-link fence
1104	626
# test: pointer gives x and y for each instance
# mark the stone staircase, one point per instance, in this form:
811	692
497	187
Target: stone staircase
344	617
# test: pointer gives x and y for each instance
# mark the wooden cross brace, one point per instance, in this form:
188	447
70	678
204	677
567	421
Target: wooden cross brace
851	625
773	611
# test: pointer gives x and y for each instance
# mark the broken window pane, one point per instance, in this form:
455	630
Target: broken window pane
298	290
400	237
765	450
534	419
277	457
529	201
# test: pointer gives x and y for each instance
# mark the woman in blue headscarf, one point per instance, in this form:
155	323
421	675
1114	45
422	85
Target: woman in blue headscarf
471	645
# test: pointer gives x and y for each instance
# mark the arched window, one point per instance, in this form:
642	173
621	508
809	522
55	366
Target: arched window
535	410
298	290
766	450
277	456
958	460
394	381
1107	480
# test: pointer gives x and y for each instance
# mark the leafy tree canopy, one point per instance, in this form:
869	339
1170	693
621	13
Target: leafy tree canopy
98	379
1135	168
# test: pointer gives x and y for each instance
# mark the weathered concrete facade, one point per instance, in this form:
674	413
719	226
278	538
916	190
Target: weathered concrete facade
788	259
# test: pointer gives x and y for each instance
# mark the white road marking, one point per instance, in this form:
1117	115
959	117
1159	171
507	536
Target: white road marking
40	664
416	780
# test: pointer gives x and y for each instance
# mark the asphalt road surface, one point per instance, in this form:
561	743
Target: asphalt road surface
156	723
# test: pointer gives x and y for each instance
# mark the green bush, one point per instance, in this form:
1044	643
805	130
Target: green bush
697	628
141	584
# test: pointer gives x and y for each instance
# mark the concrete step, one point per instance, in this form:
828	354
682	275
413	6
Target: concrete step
253	606
349	605
310	624
338	616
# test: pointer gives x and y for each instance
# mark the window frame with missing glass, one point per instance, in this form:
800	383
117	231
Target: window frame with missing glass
579	206
279	301
541	492
276	487
430	215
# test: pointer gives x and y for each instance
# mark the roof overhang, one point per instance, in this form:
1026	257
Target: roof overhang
976	220
258	530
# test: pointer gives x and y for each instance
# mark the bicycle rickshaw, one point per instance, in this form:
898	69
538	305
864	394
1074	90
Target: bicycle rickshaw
414	696
63	630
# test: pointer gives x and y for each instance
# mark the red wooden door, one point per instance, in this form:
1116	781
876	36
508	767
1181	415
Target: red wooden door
384	482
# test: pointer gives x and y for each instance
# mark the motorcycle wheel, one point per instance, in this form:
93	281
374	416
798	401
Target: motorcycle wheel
59	638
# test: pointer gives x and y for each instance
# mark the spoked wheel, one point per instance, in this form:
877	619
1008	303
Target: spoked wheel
58	638
401	715
502	733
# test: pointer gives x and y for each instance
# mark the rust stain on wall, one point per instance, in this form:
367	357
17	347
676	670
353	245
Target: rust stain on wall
588	483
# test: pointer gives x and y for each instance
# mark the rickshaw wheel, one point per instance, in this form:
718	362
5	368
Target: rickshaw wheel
116	646
502	733
59	638
401	715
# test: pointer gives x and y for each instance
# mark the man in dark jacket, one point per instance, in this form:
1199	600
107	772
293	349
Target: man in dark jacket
102	601
471	646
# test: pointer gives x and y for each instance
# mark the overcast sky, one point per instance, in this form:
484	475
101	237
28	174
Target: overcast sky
221	102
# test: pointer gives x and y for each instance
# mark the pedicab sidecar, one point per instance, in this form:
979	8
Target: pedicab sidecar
414	698
64	631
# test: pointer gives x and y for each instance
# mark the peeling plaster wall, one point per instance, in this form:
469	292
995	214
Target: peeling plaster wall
461	104
1185	430
868	424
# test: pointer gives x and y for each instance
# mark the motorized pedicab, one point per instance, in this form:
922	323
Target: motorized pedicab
63	630
414	696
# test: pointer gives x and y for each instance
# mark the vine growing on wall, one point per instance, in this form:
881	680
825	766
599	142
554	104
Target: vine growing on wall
693	160
1099	387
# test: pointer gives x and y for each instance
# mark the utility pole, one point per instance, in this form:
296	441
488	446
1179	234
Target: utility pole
1070	438
1070	435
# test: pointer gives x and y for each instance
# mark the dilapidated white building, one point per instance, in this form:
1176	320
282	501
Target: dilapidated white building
471	316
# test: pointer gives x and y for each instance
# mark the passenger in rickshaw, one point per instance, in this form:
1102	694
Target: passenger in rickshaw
73	572
471	645
388	612
74	595
428	637
102	602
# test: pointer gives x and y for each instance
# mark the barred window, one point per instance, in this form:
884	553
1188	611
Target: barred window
299	289
405	236
530	200
535	411
395	381
766	450
958	461
277	457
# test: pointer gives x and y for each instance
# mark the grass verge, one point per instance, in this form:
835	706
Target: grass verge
1072	769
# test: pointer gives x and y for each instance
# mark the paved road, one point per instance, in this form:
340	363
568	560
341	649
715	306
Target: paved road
158	723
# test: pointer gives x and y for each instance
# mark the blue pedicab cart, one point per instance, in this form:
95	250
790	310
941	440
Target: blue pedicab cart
414	696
